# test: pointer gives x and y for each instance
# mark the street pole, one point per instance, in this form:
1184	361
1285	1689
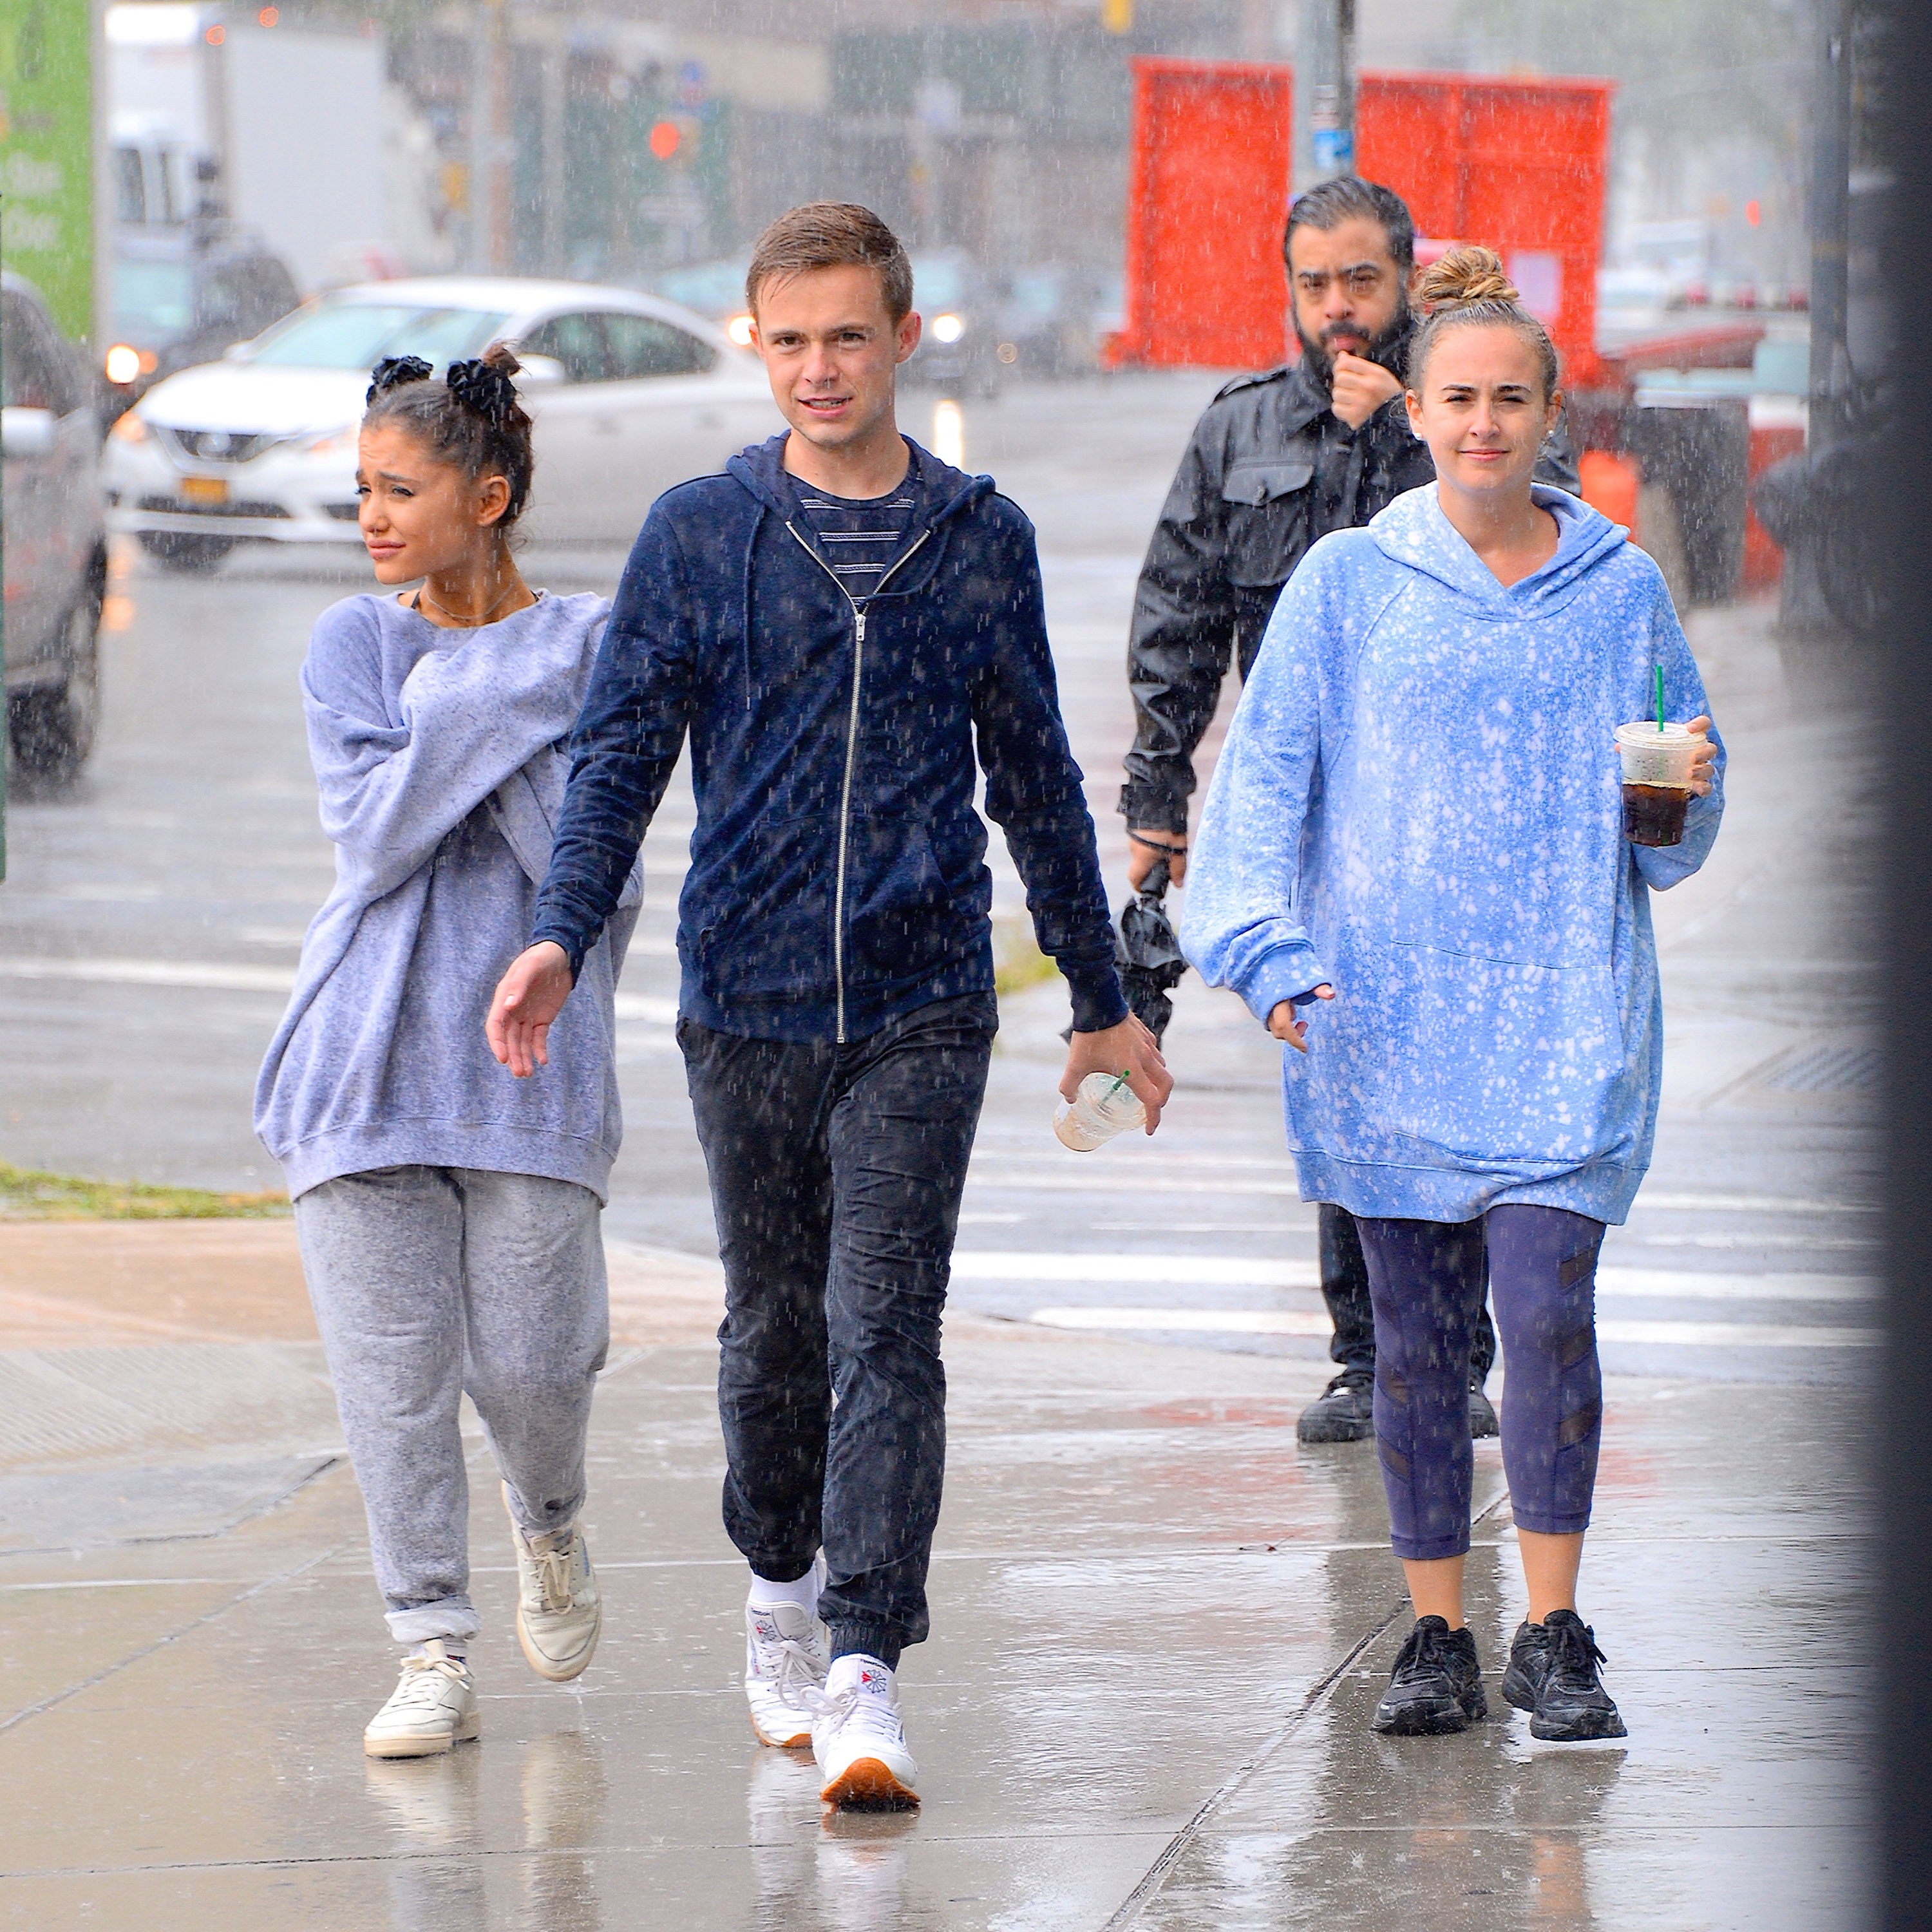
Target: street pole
1325	93
1801	609
1831	223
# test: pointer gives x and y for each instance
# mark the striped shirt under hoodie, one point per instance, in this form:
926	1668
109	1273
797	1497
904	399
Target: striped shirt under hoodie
859	537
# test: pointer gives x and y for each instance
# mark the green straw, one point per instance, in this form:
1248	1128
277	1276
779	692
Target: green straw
1660	697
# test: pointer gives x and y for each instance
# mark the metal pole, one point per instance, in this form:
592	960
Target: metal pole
1830	223
476	242
1802	611
1324	92
556	60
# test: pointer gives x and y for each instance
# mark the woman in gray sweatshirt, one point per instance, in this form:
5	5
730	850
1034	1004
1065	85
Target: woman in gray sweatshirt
448	1214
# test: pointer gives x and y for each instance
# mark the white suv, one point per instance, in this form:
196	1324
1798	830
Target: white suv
55	554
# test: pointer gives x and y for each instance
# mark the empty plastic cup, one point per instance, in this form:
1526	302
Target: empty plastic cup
1107	1106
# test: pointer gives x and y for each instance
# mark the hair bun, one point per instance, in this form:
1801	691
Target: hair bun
393	371
483	385
1464	276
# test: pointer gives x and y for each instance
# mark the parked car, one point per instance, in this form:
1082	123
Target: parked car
958	349
183	295
631	395
1045	321
55	553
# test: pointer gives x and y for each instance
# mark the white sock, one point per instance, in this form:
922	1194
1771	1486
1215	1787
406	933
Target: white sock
802	1591
856	1671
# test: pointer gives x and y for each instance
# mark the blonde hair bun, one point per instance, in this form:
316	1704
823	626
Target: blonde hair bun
1462	277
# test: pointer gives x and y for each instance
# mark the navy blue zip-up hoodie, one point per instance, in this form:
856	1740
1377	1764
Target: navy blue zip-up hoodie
837	874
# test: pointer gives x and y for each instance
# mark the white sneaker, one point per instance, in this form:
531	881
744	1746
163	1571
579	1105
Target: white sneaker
558	1612
858	1740
432	1708
786	1651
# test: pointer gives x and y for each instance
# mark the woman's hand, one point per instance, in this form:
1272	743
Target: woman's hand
530	997
1283	1023
1703	760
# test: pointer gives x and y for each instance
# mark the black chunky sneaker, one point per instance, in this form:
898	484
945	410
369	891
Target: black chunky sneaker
1482	1414
1345	1413
1436	1686
1552	1675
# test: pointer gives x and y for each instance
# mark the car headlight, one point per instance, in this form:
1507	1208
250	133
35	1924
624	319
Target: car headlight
123	363
128	427
948	327
739	329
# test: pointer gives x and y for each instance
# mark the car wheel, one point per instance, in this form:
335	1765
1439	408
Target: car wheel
52	729
176	550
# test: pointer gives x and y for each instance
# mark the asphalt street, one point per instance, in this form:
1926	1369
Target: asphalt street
151	924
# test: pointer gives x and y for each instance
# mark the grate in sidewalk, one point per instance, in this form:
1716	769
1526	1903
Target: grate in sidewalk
1821	1070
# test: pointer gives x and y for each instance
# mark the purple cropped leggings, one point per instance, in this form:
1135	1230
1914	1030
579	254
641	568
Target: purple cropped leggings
1425	1279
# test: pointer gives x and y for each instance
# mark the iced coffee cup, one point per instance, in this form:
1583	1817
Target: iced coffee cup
1657	762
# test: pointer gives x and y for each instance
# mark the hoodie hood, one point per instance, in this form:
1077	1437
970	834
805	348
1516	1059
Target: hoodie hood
943	489
1414	531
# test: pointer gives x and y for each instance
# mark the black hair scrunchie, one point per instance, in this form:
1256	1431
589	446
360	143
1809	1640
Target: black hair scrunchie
393	371
477	385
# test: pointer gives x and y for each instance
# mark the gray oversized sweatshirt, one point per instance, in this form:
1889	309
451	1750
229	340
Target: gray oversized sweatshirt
438	755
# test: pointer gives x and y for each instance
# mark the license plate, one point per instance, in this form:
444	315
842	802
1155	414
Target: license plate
204	489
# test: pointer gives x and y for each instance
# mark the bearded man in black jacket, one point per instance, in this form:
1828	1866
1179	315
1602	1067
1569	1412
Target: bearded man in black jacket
1277	460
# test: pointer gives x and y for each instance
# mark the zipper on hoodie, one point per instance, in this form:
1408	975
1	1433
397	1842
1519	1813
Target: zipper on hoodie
851	751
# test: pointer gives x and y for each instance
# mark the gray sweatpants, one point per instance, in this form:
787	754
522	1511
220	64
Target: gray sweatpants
429	1281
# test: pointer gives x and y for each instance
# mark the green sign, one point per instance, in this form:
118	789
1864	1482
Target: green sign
47	153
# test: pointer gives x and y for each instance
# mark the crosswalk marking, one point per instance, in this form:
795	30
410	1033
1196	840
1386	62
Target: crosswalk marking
1305	1322
215	976
1244	1271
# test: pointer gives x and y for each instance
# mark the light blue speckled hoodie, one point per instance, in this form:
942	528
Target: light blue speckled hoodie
1419	802
439	758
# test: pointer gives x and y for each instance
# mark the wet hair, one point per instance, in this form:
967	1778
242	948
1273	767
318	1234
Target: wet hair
472	418
832	234
1468	289
1349	198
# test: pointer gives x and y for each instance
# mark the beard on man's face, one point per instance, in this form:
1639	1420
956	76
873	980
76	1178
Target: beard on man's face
1320	350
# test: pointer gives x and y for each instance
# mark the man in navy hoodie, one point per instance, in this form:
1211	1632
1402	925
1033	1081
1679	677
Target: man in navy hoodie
838	620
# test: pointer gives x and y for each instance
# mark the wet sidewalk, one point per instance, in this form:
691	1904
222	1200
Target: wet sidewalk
1159	1628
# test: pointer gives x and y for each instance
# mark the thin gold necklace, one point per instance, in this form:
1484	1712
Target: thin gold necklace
462	623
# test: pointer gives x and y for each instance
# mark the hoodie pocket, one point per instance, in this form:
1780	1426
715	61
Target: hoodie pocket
770	936
916	894
1480	1060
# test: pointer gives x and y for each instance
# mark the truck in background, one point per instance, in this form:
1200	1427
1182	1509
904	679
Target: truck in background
291	133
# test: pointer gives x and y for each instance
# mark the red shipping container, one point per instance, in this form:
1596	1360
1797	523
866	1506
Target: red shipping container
1519	164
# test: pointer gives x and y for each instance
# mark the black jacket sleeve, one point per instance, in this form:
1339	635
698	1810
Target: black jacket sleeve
1182	639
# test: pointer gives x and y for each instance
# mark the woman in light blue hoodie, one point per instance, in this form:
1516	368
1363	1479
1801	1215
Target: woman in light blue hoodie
1412	866
448	1215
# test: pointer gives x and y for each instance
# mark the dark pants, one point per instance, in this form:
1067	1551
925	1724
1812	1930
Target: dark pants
1345	1287
836	1173
1427	1277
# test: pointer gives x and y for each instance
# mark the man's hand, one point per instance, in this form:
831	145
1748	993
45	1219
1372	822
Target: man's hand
1141	858
530	997
1283	1025
1128	1048
1358	387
